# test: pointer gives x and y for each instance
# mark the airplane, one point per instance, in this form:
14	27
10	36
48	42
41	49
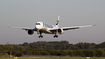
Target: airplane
42	27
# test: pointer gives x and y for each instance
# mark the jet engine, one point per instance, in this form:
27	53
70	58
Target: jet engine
60	31
30	32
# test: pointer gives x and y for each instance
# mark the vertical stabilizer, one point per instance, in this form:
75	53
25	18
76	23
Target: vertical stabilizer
57	24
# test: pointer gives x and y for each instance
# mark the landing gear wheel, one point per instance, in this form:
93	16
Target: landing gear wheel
55	36
41	36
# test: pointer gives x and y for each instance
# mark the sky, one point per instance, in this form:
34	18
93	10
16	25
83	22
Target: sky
25	13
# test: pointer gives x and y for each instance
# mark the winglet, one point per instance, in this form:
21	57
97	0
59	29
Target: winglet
8	25
95	24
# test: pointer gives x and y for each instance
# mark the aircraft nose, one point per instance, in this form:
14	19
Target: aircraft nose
38	27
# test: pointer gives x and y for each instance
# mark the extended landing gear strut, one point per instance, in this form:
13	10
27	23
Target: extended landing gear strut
55	36
41	36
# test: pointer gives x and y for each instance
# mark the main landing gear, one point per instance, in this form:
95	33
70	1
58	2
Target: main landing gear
40	36
55	36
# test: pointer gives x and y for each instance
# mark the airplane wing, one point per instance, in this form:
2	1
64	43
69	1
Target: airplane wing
75	27
23	28
70	28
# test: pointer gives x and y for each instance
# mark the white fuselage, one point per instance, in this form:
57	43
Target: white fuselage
41	26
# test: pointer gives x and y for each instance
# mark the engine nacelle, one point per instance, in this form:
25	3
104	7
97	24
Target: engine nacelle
30	32
60	31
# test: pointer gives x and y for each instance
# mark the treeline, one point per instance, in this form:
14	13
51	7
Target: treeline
62	48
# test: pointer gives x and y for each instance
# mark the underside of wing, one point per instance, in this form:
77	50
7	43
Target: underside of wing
76	27
70	28
23	28
53	29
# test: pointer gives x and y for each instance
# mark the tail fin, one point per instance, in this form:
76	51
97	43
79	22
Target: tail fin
57	24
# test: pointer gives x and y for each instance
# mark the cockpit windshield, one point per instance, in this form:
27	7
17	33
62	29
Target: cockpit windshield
37	23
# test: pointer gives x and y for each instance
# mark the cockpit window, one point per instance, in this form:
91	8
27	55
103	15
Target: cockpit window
37	23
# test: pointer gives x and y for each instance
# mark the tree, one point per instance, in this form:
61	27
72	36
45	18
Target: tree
78	53
70	53
98	53
88	53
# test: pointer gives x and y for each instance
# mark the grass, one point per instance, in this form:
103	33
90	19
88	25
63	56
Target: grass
59	58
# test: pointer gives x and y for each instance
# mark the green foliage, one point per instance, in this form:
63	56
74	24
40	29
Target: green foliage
58	58
102	45
88	53
18	54
98	53
3	54
61	48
